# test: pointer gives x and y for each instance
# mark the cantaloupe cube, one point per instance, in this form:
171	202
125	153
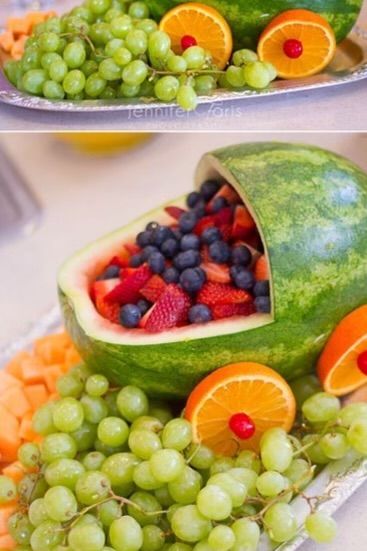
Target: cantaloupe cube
15	401
36	394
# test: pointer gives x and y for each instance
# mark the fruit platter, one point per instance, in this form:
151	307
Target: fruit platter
106	55
202	384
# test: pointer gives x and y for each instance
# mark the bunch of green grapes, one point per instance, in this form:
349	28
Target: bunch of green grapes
106	49
116	471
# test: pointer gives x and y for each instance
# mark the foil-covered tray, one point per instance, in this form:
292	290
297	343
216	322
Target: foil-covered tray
349	65
328	491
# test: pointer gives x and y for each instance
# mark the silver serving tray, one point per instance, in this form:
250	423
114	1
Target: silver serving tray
349	65
336	483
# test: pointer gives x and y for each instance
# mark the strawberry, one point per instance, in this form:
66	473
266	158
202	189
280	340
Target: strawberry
121	260
216	272
127	291
228	193
224	216
261	270
99	291
220	311
226	231
204	223
175	212
243	223
170	310
132	248
153	289
221	293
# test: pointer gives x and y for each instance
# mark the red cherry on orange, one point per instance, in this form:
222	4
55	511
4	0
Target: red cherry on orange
242	426
293	48
187	41
362	362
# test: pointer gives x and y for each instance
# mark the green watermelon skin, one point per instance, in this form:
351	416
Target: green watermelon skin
311	208
247	18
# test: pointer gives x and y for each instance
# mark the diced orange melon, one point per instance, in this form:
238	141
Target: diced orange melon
18	26
15	401
9	438
52	374
7	543
18	47
37	395
32	371
26	431
15	471
6	41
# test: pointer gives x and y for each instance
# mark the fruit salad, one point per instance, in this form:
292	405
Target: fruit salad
208	264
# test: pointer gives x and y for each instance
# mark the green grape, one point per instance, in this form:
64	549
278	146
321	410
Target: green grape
143	443
109	70
138	10
315	452
29	455
176	64
149	26
60	503
276	450
42	421
109	511
221	538
160	410
107	450
166	88
12	71
304	387
202	545
8	490
85	436
48	58
119	468
204	84
273	75
125	534
280	522
299	473
83	13
94	87
122	57
334	445
49	42
235	76
146	422
171	511
111	397
53	25
247	534
146	510
136	41
256	75
91	487
189	525
57	446
81	371
113	12
20	528
352	412
321	407
89	536
220	464
177	434
39	29
101	33
74	83
99	7
34	80
179	546
236	490
144	478
111	47
153	538
357	435
147	88
270	484
74	55
47	536
186	97
95	408
53	90
131	401
159	44
121	26
164	496
214	503
37	512
185	488
246	476
31	59
63	44
66	385
242	57
166	465
113	431
76	25
93	461
31	487
200	457
249	460
64	472
320	527
194	57
68	415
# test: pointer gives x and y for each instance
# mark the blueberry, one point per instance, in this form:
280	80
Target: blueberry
151	226
190	241
210	235
170	247
261	288
171	275
144	238
188	221
199	313
156	262
241	255
187	259
160	234
136	260
147	251
218	204
242	278
143	305
209	188
262	304
130	315
176	233
219	252
192	199
200	208
110	272
192	279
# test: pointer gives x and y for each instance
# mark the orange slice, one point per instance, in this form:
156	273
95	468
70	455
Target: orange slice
337	366
205	25
298	43
244	389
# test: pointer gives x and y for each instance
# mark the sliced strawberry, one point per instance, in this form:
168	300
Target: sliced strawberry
170	310
221	293
121	260
175	212
224	216
127	290
153	289
205	256
132	248
124	272
261	270
228	193
220	311
204	223
216	272
226	231
100	289
243	223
